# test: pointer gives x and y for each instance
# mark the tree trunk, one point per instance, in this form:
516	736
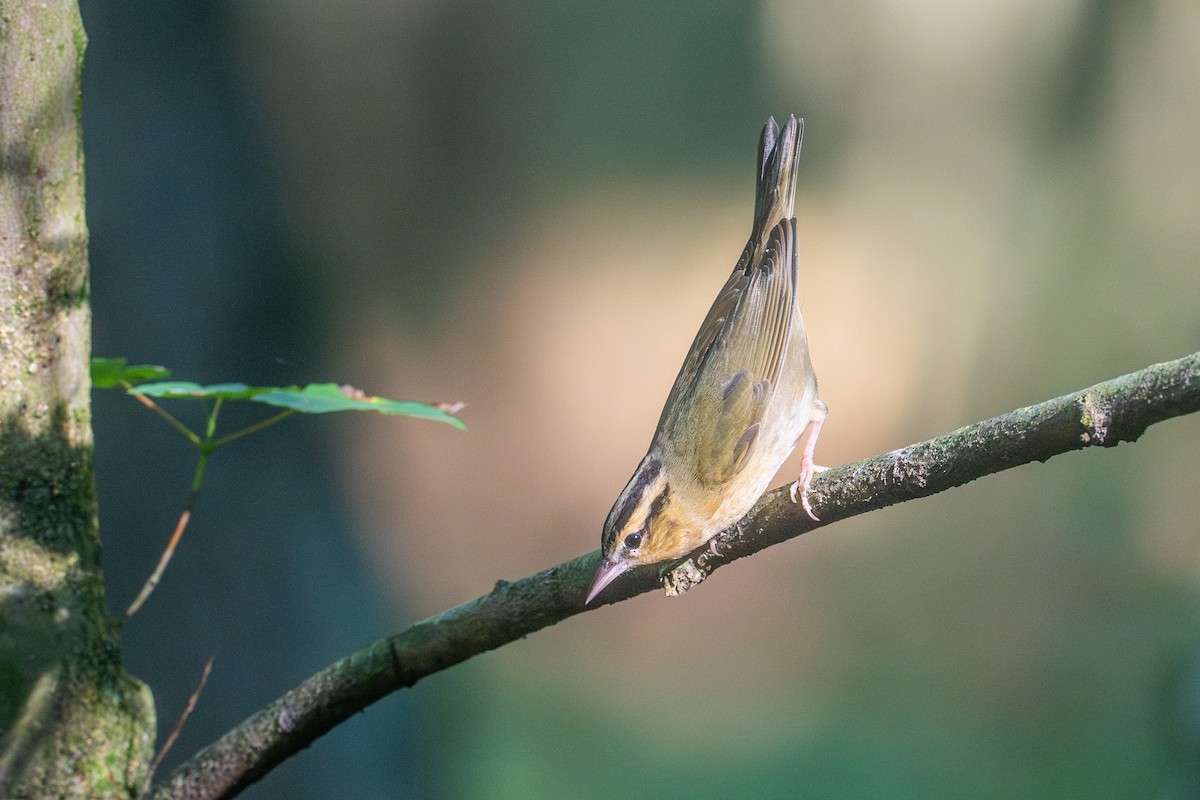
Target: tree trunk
72	722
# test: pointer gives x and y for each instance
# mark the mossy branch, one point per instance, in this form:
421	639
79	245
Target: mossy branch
1103	415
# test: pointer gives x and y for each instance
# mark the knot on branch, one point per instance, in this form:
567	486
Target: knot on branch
693	571
677	581
1096	416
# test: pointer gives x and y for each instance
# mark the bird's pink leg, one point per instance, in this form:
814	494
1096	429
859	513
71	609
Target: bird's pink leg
808	469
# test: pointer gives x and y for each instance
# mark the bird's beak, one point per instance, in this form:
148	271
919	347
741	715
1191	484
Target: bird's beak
608	572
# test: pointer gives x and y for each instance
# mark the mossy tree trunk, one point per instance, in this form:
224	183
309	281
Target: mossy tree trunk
72	722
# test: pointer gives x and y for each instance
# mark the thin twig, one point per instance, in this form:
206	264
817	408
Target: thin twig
1108	413
184	517
207	446
187	712
163	560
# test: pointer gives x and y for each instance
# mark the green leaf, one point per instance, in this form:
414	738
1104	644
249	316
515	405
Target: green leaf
315	398
110	372
194	391
321	398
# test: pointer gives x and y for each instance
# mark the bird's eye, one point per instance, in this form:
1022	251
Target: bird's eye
633	541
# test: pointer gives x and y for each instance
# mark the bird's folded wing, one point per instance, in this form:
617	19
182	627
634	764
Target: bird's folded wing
715	411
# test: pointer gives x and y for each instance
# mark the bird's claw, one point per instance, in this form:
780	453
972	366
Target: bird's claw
800	487
807	467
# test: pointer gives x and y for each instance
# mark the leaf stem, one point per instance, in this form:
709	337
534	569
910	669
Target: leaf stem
258	426
162	412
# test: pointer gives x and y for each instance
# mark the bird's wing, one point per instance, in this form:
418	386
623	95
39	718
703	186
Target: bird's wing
714	413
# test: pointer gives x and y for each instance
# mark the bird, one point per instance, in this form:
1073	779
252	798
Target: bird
743	398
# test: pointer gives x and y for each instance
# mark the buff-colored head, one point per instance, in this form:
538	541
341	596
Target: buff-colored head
646	526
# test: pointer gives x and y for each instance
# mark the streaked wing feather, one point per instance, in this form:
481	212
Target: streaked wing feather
709	338
735	362
759	333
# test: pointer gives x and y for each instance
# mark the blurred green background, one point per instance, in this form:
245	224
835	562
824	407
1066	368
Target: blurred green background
529	207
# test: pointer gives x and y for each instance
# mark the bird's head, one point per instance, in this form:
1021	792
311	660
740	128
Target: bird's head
646	525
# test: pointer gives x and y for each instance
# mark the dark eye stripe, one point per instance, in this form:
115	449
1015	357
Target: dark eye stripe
645	476
657	505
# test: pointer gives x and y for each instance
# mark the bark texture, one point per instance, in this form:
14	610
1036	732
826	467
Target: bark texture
72	723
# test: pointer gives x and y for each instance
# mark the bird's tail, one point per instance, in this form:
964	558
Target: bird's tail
778	152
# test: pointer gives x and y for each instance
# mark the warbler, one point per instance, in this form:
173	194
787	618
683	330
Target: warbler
744	397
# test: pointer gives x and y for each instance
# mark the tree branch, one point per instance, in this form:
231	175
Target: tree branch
1103	415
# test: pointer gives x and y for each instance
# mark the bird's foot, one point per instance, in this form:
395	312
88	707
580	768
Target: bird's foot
799	490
